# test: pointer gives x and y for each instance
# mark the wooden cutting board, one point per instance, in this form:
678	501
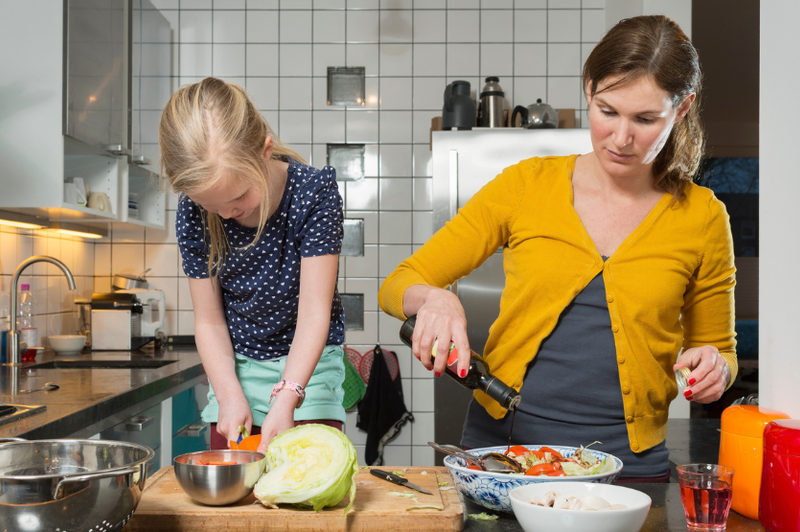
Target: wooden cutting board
165	507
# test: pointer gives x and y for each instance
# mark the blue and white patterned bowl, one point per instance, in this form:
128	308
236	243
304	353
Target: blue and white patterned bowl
491	490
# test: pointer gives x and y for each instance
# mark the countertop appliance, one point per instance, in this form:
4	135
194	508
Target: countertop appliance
536	116
780	479
117	322
741	447
153	309
464	161
459	109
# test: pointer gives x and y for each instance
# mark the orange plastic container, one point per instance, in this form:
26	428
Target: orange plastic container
741	446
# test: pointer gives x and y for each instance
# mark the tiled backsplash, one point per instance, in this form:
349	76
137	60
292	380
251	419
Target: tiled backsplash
280	52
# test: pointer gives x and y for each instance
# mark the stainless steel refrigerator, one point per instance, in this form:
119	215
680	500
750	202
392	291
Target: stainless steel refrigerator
464	161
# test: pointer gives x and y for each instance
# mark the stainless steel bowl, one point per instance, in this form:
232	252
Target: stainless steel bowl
217	485
70	484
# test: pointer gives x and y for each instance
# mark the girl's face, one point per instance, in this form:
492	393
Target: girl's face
631	123
231	199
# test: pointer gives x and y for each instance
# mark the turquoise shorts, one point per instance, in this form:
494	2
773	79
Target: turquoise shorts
324	392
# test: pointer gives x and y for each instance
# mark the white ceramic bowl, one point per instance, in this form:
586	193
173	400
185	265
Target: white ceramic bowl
534	518
67	344
491	490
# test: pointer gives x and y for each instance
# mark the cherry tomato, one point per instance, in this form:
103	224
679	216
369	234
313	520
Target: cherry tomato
518	450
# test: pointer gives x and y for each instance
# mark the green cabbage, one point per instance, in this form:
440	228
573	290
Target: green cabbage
310	465
573	469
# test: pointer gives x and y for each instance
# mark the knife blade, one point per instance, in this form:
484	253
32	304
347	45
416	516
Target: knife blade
400	481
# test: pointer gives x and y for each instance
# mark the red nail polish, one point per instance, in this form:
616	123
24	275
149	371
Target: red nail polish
687	393
692	381
437	374
462	373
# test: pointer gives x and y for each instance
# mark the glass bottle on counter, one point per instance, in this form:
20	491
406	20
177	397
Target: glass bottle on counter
29	334
478	376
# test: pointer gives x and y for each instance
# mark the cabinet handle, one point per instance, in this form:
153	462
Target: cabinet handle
117	149
192	431
138	423
140	160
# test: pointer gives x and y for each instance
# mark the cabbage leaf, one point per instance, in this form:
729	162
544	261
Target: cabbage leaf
310	465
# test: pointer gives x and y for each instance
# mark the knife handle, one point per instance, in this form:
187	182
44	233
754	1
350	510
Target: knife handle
391	477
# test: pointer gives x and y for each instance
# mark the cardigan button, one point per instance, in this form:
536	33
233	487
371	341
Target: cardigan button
621	360
629	419
626	390
634	446
609	298
615	328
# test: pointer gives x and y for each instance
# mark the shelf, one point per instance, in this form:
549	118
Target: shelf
93	213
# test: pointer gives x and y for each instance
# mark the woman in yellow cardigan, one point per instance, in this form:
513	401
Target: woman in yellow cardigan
615	263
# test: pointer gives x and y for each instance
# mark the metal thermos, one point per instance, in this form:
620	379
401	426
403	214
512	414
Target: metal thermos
492	110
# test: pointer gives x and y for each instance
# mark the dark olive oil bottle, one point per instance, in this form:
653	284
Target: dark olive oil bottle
478	376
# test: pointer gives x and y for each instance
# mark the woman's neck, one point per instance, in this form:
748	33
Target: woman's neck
634	186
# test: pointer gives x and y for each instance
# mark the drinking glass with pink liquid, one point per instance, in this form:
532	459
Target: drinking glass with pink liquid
706	495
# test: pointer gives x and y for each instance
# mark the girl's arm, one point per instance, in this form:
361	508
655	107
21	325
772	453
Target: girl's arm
216	352
317	282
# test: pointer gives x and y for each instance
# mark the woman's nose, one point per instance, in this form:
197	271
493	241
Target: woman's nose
622	136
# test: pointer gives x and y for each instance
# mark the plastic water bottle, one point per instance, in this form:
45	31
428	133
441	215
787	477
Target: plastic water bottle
27	318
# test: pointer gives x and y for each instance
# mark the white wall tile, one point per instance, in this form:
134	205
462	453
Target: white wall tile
531	4
361	126
423	165
229	26
366	266
329	127
395	227
195	60
370	224
296	4
127	258
422	392
184	294
496	25
169	285
371	160
368	287
395	126
395	160
163	236
396	25
530	26
530	60
422	125
263	92
362	26
195	4
295	26
230	4
528	90
196	27
395	195
363	55
423	429
370	329
330	4
462	60
389	256
295	127
395	93
8	251
423	227
563	25
429	59
430	26
564	4
362	195
228	60
295	94
564	60
397	455
262	27
429	93
327	55
329	27
424	455
295	60
463	26
496	60
261	59
593	25
263	4
564	93
162	259
363	4
395	59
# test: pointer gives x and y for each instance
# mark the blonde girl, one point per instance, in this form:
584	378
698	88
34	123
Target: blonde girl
259	233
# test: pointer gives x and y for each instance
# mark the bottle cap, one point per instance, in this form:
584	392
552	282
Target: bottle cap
25	287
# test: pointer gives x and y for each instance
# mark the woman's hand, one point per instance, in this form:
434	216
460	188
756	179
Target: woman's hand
232	413
441	319
279	418
710	374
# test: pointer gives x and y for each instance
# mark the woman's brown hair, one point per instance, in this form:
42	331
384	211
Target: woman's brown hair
209	130
654	46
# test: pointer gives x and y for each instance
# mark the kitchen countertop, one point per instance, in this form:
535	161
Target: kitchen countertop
689	441
92	400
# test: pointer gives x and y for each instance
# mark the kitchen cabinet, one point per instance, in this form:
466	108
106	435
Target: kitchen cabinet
65	104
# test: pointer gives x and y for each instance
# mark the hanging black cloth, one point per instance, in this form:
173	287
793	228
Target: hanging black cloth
382	412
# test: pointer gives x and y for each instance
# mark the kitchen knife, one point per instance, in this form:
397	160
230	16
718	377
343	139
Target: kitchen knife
385	475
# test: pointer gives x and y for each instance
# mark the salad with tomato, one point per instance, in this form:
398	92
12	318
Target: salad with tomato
551	463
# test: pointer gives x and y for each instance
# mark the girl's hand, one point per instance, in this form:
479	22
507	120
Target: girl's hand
232	413
279	418
710	374
441	319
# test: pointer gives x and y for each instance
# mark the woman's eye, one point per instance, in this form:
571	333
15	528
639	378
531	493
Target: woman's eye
607	112
645	120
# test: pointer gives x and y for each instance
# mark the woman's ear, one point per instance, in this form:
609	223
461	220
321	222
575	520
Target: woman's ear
269	145
588	93
684	106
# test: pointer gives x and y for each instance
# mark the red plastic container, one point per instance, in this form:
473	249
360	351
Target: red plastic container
779	498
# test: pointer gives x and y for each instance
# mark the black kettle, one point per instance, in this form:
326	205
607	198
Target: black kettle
536	116
459	108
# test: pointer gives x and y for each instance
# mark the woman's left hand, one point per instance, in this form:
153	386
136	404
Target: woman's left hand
279	418
710	373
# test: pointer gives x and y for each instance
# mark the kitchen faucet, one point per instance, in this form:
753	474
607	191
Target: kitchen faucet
13	344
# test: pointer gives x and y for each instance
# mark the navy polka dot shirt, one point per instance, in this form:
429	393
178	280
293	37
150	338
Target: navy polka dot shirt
261	283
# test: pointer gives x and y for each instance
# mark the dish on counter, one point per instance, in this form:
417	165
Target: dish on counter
491	490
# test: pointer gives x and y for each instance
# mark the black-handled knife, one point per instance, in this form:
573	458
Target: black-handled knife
385	475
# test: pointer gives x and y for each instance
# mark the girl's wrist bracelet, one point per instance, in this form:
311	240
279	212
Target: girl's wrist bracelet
291	385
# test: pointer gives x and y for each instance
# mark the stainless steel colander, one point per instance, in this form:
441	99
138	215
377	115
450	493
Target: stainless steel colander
70	485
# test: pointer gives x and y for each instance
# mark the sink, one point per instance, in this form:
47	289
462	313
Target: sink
102	364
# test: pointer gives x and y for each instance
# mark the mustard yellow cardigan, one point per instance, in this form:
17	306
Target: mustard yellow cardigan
668	286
